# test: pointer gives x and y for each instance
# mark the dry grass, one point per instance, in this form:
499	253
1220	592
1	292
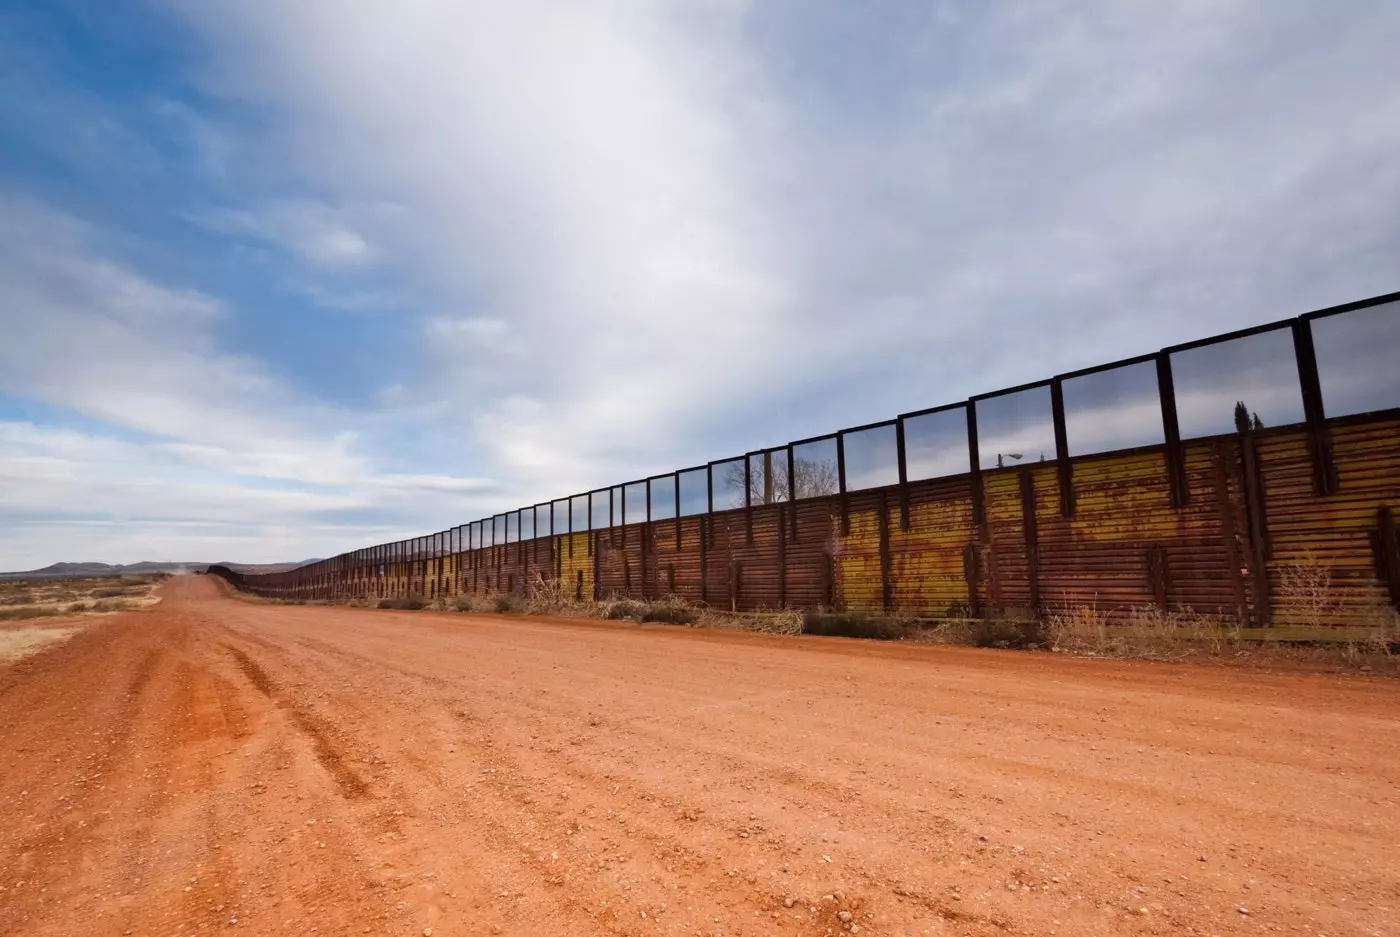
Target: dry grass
26	612
407	603
554	598
1381	630
27	599
21	642
1145	632
786	622
1154	634
952	632
857	623
1305	592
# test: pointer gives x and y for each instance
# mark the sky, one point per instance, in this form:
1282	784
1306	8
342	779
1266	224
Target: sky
282	278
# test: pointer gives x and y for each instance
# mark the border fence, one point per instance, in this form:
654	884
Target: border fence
1194	477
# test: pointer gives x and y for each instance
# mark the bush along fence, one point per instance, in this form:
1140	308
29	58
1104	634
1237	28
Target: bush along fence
1204	476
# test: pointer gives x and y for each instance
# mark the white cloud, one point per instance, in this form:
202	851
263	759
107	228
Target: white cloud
312	231
197	445
66	494
469	333
691	214
92	335
573	168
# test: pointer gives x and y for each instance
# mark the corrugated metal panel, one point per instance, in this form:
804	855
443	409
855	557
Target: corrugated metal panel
1334	533
928	561
757	570
810	555
859	578
575	563
1251	513
1002	544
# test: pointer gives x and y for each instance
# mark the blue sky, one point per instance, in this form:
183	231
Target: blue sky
280	278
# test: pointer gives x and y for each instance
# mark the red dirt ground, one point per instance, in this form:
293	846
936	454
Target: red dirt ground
215	764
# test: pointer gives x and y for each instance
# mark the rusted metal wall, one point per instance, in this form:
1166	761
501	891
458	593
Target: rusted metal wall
1221	525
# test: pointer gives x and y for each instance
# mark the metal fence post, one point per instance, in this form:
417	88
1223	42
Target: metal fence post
1171	432
1324	470
1064	468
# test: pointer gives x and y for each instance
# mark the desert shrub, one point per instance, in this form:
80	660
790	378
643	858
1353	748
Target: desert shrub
1385	632
958	631
31	611
855	624
18	598
624	608
785	622
1304	592
406	603
117	593
671	614
1008	633
76	608
554	597
1143	631
474	603
114	605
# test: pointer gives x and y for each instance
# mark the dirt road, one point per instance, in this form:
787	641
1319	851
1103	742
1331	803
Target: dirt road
217	765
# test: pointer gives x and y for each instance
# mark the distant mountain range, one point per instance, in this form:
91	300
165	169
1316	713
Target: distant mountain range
89	570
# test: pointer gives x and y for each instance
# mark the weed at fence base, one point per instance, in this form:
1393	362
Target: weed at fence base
1145	632
407	603
855	624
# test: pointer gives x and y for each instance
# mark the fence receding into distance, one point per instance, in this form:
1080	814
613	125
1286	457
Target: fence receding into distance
1192	477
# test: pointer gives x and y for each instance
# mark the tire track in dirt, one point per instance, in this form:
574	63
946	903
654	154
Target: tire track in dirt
651	836
316	730
502	823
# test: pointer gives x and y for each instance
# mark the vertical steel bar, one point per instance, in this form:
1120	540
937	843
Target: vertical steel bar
886	586
1324	469
644	543
841	483
748	498
704	521
1255	505
710	501
979	511
899	452
1032	537
1064	468
1386	546
792	491
782	555
1171	432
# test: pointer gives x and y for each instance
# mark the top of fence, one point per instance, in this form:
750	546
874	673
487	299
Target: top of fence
1187	394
